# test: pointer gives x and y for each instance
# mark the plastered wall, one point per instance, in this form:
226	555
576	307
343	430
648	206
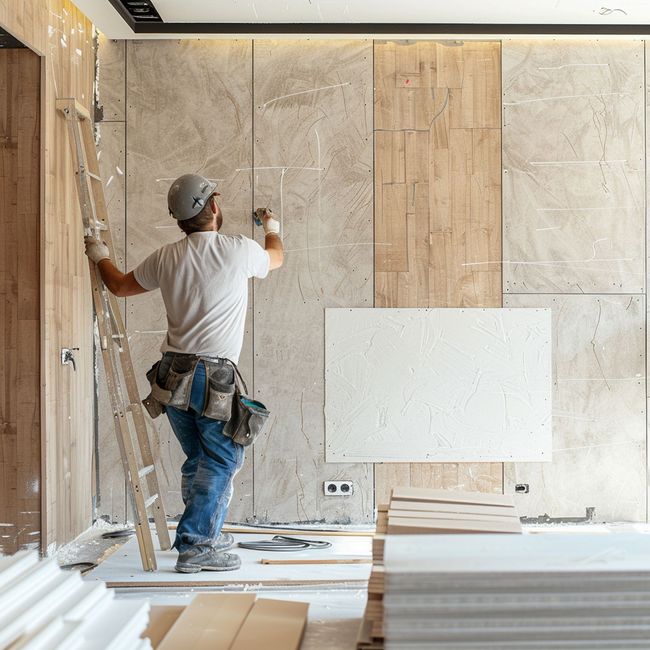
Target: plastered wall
407	174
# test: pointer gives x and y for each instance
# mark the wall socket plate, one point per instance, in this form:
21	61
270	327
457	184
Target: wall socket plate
338	488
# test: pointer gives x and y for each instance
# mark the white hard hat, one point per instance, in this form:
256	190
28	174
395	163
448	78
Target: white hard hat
188	195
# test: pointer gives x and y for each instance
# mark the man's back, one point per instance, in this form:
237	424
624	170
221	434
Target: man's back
203	279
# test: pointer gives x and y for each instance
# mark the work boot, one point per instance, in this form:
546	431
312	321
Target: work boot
204	558
224	542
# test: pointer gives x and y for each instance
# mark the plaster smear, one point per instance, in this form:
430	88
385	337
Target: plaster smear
448	385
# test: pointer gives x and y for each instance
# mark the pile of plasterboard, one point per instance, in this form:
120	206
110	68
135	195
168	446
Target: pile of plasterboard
45	608
524	592
229	622
420	511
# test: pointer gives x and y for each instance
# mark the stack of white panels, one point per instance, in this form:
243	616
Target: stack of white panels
524	592
45	608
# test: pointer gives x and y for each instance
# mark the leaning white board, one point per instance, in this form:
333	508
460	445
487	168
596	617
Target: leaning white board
448	385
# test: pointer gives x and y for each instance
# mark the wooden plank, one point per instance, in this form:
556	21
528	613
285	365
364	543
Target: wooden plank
274	625
391	251
27	21
319	148
411	493
449	114
415	526
298	531
20	312
209	622
395	514
191	584
460	508
338	560
161	620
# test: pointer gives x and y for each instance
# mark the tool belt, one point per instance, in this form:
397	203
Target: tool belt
226	398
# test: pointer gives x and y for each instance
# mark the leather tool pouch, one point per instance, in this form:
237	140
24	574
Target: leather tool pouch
220	389
150	402
171	383
249	417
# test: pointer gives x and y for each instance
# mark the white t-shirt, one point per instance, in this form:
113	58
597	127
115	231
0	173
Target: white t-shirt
203	279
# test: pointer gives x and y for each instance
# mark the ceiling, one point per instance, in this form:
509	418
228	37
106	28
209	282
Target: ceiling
163	18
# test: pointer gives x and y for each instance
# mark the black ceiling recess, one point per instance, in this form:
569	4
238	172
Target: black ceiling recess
143	18
137	12
7	41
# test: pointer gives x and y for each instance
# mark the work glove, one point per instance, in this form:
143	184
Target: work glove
270	224
96	250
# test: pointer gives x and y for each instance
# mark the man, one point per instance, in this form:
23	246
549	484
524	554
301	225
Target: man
203	279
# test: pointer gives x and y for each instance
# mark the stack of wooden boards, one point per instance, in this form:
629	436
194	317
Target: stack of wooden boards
421	511
45	608
229	622
532	592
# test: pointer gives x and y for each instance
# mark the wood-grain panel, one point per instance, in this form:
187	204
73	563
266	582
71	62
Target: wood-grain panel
20	309
62	35
188	109
313	166
69	394
437	201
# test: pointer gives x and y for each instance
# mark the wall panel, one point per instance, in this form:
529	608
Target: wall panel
111	498
574	223
69	401
313	166
20	308
62	35
598	411
574	166
437	200
438	385
111	79
573	191
188	109
647	250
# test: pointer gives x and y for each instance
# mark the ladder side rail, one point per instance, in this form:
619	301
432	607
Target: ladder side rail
103	308
130	465
142	435
96	189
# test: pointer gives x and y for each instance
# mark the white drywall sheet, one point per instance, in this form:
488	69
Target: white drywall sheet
449	385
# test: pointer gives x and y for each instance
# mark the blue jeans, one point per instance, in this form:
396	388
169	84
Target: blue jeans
207	474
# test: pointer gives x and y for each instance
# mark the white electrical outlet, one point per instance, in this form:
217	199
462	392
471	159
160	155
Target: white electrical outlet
338	488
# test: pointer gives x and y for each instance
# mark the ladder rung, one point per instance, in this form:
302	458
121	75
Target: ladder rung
97	178
150	501
146	470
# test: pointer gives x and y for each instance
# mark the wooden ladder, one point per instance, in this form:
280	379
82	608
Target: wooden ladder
120	377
